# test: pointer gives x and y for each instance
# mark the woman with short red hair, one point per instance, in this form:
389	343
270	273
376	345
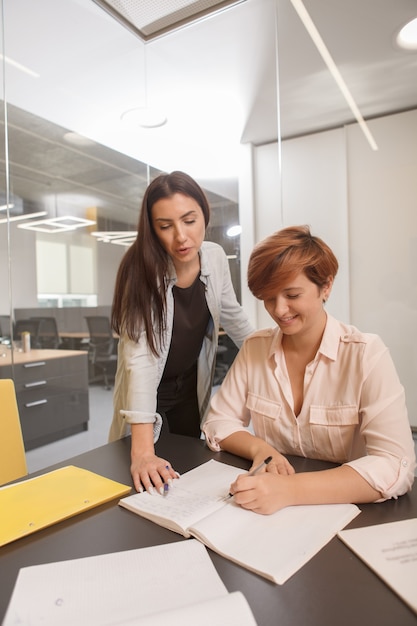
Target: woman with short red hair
311	386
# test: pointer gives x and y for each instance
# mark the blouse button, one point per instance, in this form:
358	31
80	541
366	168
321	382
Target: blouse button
404	463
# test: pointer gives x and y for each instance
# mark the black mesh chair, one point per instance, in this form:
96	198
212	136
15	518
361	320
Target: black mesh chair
30	326
48	335
101	346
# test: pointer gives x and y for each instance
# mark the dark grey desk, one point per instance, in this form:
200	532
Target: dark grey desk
334	588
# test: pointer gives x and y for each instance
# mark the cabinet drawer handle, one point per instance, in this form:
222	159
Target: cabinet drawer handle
37	364
37	383
37	403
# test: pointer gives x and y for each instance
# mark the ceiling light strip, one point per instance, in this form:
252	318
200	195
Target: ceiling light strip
327	58
19	218
19	66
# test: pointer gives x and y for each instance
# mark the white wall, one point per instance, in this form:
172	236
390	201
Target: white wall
364	205
383	227
314	192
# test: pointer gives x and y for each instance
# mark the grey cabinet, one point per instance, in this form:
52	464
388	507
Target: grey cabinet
52	394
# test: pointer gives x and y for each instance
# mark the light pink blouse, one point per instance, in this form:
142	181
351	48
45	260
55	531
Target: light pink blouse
353	412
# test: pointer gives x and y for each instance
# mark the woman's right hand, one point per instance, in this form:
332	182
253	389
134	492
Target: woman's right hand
151	473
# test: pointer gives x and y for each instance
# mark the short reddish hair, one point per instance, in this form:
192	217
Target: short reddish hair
286	253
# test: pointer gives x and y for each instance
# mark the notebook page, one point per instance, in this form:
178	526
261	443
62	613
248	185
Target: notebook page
196	494
274	546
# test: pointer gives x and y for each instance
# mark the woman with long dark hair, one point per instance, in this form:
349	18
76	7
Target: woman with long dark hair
173	291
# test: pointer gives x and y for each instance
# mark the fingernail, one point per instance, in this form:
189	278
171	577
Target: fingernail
161	491
151	490
170	482
178	475
140	489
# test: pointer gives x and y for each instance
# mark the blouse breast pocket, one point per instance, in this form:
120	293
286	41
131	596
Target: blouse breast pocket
333	430
265	414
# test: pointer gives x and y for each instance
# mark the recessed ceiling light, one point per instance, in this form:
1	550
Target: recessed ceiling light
407	37
144	117
234	231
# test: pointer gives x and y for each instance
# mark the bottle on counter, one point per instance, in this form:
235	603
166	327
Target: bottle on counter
26	341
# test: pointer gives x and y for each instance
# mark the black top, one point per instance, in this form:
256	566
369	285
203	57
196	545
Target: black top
191	317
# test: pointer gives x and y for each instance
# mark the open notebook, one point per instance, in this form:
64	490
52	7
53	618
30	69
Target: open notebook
274	546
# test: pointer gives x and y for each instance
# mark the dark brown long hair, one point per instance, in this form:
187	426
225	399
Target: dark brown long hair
139	301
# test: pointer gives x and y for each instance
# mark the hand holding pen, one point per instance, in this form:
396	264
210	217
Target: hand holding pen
254	471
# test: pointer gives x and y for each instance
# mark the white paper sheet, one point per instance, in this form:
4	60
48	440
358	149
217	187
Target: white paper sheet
115	588
390	550
231	610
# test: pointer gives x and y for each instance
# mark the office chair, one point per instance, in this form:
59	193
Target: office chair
225	355
12	450
5	326
48	335
28	325
101	347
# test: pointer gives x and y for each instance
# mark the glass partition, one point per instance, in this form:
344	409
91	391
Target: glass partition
349	157
73	175
76	174
5	258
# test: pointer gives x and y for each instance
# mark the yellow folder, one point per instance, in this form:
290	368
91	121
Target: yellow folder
38	502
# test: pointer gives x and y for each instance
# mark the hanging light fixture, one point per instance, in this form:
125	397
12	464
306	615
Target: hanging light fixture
57	224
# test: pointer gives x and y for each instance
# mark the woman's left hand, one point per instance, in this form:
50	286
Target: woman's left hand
278	465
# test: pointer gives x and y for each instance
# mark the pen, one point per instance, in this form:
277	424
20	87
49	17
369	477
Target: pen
253	472
257	469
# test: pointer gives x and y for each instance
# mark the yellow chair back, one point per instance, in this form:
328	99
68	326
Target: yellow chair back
12	449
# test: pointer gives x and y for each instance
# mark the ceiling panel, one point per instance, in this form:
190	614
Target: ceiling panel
153	18
226	64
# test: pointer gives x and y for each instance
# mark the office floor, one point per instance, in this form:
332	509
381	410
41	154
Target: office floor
100	417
